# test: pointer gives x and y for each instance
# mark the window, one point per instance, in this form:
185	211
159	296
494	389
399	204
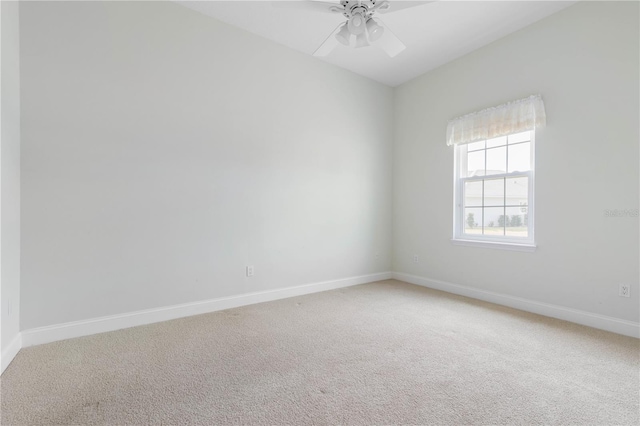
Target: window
494	189
494	174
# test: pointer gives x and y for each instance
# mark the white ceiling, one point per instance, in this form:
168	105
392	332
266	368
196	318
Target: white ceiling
434	32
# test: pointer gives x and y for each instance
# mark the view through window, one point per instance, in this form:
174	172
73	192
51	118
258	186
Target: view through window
494	189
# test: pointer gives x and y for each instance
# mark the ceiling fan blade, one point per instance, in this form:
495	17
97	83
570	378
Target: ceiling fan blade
389	42
394	6
329	44
316	6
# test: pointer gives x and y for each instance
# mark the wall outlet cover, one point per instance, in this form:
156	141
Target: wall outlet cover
625	290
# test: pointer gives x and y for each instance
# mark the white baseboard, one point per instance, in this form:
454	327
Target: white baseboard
8	354
38	336
602	322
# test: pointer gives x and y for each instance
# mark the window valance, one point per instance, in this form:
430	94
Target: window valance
512	117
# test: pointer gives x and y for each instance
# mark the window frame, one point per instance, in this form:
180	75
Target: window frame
492	241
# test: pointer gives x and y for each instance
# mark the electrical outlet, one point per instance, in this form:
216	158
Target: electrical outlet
415	258
625	290
250	271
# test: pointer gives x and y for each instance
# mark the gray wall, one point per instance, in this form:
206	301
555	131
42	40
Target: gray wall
163	151
10	188
584	62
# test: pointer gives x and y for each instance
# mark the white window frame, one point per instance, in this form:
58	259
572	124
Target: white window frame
491	241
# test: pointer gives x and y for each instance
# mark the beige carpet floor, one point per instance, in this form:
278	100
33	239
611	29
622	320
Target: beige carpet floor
380	353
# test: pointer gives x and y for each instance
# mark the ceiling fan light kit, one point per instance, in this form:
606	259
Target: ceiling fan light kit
357	21
361	40
344	36
374	29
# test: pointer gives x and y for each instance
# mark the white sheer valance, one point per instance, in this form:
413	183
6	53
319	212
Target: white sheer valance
512	117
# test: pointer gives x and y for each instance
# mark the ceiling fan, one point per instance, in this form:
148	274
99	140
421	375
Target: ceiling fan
361	28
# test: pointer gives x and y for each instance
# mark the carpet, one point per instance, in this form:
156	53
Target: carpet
379	353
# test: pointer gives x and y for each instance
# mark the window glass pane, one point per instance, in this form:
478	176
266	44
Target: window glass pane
496	207
502	140
492	221
473	221
517	191
496	160
494	192
520	157
520	137
517	222
473	194
475	146
475	163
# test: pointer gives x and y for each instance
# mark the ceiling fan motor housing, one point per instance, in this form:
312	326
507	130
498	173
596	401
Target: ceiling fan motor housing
349	7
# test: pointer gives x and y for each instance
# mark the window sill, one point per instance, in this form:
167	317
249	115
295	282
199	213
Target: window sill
494	245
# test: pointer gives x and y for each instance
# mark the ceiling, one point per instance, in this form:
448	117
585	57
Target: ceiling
434	32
